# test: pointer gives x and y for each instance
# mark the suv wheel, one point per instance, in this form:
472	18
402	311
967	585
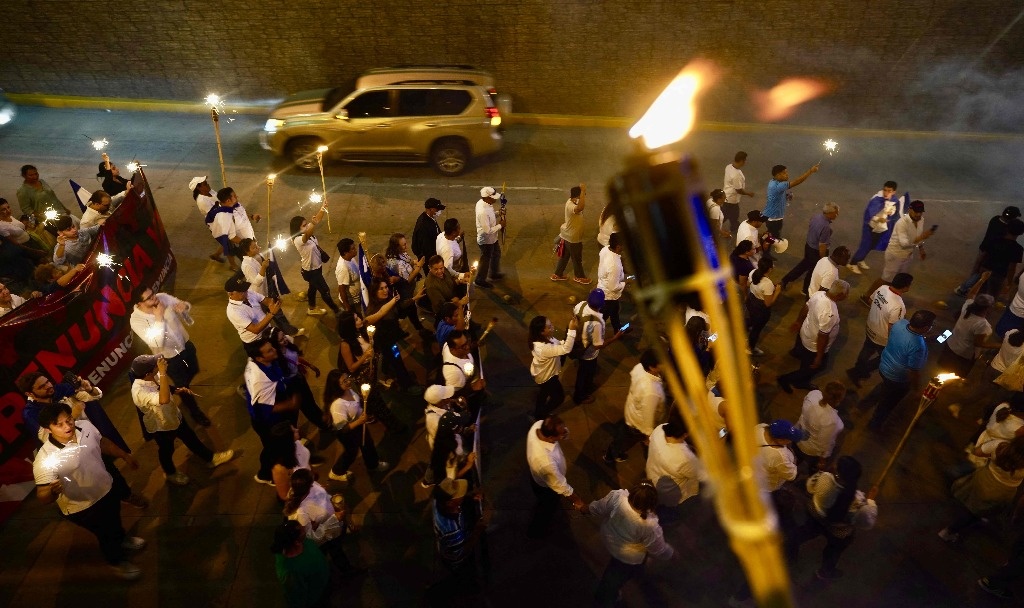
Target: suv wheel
450	157
302	152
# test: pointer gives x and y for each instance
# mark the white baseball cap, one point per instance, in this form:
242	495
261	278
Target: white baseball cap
195	182
488	192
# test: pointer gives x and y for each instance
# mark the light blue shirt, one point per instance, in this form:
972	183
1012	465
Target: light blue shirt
775	208
905	351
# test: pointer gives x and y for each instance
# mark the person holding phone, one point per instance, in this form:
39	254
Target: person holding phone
904	355
908	236
612	279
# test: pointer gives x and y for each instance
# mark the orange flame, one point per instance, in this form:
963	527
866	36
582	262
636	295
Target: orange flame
781	100
673	113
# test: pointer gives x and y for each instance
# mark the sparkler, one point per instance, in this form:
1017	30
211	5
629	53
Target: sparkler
98	144
59	462
105	260
323	184
468	369
281	243
830	146
133	166
215	102
50	215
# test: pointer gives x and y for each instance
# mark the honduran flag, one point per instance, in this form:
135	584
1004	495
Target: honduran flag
276	286
365	277
81	195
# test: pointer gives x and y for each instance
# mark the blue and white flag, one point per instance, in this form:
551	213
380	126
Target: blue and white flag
81	195
365	278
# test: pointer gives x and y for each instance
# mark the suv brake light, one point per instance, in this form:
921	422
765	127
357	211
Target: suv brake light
494	115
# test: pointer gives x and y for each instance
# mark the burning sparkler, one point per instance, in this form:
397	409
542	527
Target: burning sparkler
468	369
281	243
98	144
105	260
50	215
830	146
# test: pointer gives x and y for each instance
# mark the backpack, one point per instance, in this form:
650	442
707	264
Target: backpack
581	321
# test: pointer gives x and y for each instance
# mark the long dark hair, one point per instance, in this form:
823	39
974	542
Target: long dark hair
281	447
537	326
394	249
349	333
242	248
295	225
765	264
302	483
374	300
848	471
1010	455
976	309
332	390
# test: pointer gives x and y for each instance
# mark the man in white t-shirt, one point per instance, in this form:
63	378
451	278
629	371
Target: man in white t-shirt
347	274
449	248
547	473
818	325
827	270
644	408
735	184
572	233
611	278
887	307
487	229
820	419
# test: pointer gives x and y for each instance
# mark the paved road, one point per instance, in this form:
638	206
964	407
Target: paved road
208	541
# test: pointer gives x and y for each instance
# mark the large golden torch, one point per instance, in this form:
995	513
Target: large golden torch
658	201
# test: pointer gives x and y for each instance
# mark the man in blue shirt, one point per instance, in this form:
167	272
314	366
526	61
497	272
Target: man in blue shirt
819	239
900	367
775	207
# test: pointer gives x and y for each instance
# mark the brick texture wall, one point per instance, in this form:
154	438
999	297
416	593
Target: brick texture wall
906	63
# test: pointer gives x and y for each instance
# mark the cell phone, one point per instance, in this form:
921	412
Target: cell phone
624	327
944	336
712	337
935	227
631	277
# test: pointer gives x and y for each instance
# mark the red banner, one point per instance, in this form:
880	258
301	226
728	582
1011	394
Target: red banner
84	327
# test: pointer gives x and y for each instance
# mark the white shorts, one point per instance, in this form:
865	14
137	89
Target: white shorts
895	263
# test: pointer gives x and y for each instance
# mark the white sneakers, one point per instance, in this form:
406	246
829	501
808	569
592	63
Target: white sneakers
178	478
863	266
853	268
345	477
316	312
220	458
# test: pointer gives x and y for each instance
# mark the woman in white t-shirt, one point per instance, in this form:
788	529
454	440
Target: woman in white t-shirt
970	335
547	351
312	259
762	295
349	420
989	489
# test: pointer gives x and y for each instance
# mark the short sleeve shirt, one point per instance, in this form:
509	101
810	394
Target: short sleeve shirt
824	274
904	351
309	253
78	466
242	315
572	229
775	207
822	318
762	288
886	308
964	332
734	180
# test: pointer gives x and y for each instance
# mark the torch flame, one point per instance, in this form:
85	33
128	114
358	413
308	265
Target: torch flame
946	377
270	178
673	113
213	100
321	149
781	100
365	390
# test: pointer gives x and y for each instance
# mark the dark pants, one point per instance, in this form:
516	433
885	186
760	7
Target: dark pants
182	368
391	363
616	574
490	261
731	214
625	437
103	519
121	489
550	395
352	442
165	446
315	279
801	377
887	395
575	252
775	227
547	505
610	311
868	240
804	267
410	312
584	379
298	385
813	528
758	315
1007	322
868	359
262	429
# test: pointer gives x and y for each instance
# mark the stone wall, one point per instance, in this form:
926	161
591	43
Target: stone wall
907	63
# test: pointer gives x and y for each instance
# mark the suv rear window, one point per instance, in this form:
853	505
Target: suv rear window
373	104
432	102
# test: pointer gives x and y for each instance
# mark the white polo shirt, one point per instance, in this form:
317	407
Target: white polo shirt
450	252
165	338
547	357
78	466
823	424
155	415
824	274
344	411
241	315
734	180
776	464
645	403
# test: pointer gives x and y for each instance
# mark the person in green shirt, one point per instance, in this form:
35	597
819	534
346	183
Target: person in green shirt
35	196
301	567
